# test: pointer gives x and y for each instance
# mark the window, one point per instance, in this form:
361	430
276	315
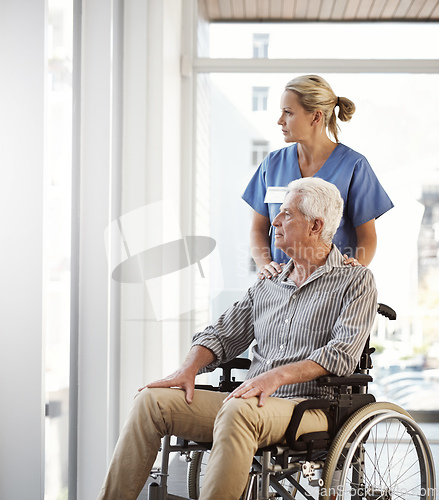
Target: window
409	346
260	98
260	45
260	150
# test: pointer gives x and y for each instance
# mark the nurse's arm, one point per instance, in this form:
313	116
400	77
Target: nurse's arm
260	246
366	242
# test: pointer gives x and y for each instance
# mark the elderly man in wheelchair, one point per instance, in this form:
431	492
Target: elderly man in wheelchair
293	415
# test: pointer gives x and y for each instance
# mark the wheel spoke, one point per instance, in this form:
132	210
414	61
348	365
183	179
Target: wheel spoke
394	474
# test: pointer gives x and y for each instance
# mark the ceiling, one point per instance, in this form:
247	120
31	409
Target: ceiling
320	10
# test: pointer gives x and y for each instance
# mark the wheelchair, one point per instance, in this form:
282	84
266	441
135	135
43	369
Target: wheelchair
371	451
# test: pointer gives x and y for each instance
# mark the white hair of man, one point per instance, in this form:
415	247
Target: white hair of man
319	199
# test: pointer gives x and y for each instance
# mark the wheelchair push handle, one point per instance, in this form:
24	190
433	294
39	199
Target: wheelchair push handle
386	311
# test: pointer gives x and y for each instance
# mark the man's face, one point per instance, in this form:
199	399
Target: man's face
292	230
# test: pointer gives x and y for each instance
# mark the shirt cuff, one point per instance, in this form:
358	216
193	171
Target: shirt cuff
334	361
212	343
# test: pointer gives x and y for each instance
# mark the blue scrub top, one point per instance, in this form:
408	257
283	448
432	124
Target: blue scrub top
364	197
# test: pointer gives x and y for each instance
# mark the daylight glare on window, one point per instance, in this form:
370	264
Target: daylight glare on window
324	40
57	217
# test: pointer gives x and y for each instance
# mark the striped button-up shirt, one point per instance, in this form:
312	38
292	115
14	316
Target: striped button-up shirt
326	320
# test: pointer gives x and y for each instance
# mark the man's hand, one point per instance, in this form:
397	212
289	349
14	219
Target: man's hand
183	378
261	386
266	383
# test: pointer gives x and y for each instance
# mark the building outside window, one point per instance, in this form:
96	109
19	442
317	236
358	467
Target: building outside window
260	98
260	150
260	45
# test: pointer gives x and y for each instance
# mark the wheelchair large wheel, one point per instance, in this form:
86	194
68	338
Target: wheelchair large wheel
380	453
195	474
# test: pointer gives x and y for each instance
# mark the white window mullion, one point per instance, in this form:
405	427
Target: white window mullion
222	65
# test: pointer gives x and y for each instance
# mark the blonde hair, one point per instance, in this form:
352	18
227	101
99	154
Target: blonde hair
315	93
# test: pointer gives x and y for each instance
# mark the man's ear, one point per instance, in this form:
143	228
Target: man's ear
317	226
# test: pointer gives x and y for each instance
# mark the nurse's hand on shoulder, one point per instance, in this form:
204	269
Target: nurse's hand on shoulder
351	261
270	270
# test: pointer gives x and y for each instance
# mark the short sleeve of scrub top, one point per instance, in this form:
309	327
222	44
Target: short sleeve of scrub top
364	197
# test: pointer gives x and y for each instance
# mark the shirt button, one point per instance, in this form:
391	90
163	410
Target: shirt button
294	297
281	347
286	321
268	362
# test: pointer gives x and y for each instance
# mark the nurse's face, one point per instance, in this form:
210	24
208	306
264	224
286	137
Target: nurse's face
294	120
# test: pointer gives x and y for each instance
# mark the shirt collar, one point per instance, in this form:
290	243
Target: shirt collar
286	270
335	259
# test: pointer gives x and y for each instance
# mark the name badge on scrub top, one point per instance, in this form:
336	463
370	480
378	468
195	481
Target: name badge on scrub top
275	194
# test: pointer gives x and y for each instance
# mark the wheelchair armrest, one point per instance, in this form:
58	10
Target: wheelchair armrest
207	387
238	363
356	379
299	410
227	382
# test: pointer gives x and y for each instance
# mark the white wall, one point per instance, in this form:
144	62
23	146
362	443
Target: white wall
22	88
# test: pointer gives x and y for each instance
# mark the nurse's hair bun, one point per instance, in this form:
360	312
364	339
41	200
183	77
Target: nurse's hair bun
315	93
346	108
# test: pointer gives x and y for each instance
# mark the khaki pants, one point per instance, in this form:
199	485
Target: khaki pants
237	429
